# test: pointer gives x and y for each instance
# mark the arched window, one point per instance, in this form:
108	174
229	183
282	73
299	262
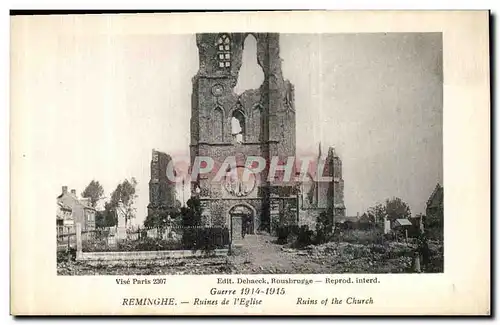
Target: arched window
238	126
218	124
257	123
224	51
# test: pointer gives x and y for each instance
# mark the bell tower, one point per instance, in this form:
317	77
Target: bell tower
256	122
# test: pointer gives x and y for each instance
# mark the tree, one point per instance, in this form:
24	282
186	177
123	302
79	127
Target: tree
126	192
107	217
397	209
191	216
377	213
94	192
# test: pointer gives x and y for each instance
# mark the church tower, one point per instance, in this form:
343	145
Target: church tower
255	122
336	190
162	192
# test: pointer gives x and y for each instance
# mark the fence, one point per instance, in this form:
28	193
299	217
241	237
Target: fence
66	237
155	239
165	233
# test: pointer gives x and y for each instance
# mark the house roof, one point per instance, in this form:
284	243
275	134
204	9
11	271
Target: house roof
438	192
83	202
64	206
403	222
86	203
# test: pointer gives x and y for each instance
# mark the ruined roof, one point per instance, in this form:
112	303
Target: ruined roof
403	222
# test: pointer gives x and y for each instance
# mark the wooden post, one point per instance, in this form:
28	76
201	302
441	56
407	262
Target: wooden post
416	265
79	254
69	242
406	234
230	234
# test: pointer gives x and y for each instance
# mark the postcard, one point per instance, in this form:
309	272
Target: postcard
251	163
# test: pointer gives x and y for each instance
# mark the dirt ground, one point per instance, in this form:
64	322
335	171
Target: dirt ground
259	254
157	267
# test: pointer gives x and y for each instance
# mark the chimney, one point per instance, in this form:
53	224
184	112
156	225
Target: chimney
65	189
73	191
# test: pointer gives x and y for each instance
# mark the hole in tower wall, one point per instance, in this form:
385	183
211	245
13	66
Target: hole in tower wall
251	75
238	126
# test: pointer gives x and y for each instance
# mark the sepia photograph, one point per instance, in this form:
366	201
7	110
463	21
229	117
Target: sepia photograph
238	164
259	153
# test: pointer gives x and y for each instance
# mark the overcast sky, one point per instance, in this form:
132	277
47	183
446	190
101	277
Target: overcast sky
106	102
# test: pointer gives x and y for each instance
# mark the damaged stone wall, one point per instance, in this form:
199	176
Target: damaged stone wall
267	113
162	192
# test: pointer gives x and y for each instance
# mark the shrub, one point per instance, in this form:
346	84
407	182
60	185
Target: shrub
95	245
324	228
284	233
206	239
195	238
295	235
305	237
148	244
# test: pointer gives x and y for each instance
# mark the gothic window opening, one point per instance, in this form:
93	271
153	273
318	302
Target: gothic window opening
238	126
218	124
224	51
257	122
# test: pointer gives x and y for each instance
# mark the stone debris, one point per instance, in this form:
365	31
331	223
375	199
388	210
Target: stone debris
264	257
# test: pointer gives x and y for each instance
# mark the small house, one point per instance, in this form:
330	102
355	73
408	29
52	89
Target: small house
81	211
402	226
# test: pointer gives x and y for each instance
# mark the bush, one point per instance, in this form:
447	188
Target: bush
206	239
148	244
285	232
324	228
293	234
305	237
192	239
96	245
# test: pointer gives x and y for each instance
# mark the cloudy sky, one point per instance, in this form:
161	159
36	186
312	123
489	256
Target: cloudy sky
99	104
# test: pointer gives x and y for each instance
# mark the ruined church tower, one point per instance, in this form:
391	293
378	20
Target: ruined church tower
256	122
336	189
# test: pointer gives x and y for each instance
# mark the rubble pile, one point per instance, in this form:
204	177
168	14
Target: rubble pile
344	257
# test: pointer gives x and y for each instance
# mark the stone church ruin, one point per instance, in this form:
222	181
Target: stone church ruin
230	120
